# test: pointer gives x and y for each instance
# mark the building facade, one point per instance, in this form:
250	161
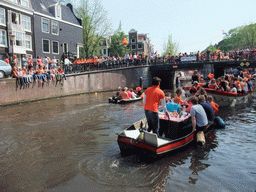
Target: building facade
58	32
139	43
16	19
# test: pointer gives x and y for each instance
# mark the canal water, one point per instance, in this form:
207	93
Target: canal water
69	144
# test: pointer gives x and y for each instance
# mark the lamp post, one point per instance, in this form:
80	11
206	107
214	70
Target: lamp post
12	38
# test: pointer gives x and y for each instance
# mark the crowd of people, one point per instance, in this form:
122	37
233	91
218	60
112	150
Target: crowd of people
40	70
218	55
125	93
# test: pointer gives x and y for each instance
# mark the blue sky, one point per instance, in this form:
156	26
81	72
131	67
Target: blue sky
193	24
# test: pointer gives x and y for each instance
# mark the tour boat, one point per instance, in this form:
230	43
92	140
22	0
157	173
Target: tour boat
123	101
227	99
223	98
178	133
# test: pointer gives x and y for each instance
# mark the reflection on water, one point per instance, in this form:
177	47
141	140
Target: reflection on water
69	144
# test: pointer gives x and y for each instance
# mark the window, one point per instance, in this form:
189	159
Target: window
104	51
43	7
139	46
65	47
15	1
58	11
133	40
24	2
28	42
3	38
133	46
45	25
55	28
55	47
15	18
18	39
26	22
2	16
46	46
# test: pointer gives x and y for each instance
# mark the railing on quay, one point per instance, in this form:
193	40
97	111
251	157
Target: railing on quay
78	68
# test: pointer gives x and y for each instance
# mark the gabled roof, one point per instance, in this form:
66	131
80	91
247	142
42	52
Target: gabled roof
66	13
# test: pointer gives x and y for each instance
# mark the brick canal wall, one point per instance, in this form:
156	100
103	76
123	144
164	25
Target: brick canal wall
95	81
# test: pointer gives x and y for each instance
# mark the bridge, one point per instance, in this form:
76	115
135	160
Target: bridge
166	71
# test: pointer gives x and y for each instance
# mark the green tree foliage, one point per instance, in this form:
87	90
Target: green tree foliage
170	47
96	27
239	38
116	46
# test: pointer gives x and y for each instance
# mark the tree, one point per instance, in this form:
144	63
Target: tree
116	46
170	47
96	26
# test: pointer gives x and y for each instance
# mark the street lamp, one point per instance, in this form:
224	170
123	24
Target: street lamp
12	38
125	42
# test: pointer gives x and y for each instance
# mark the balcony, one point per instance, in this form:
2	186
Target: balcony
15	27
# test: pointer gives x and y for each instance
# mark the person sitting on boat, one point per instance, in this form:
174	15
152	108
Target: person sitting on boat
168	97
117	95
153	96
124	94
242	85
139	92
198	115
178	97
201	91
214	105
213	84
233	88
207	107
131	93
195	85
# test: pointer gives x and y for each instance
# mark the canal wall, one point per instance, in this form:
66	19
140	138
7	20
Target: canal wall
78	83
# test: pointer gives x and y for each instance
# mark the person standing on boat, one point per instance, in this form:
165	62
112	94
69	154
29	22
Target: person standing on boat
207	107
198	115
152	98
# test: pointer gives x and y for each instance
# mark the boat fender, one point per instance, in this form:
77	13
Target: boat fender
200	138
219	122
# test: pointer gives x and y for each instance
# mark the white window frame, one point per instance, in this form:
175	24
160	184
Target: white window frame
29	19
57	28
29	41
49	46
134	46
5	39
4	23
141	45
42	18
15	1
64	47
24	3
58	48
133	41
17	16
58	10
21	40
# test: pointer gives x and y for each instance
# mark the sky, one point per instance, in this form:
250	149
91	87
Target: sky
193	24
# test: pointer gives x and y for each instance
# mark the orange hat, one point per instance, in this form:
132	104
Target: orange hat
138	88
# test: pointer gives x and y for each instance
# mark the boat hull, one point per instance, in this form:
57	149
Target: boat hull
124	101
224	99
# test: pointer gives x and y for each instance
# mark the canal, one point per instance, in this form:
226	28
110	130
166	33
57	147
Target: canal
69	144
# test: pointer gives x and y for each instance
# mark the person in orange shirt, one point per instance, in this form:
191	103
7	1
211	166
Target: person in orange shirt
178	97
214	105
124	93
152	98
7	60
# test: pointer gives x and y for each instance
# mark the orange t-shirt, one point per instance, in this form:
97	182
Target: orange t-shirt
153	96
6	60
177	99
40	71
124	95
215	107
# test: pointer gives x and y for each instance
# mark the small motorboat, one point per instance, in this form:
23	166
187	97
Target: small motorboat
137	140
123	101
